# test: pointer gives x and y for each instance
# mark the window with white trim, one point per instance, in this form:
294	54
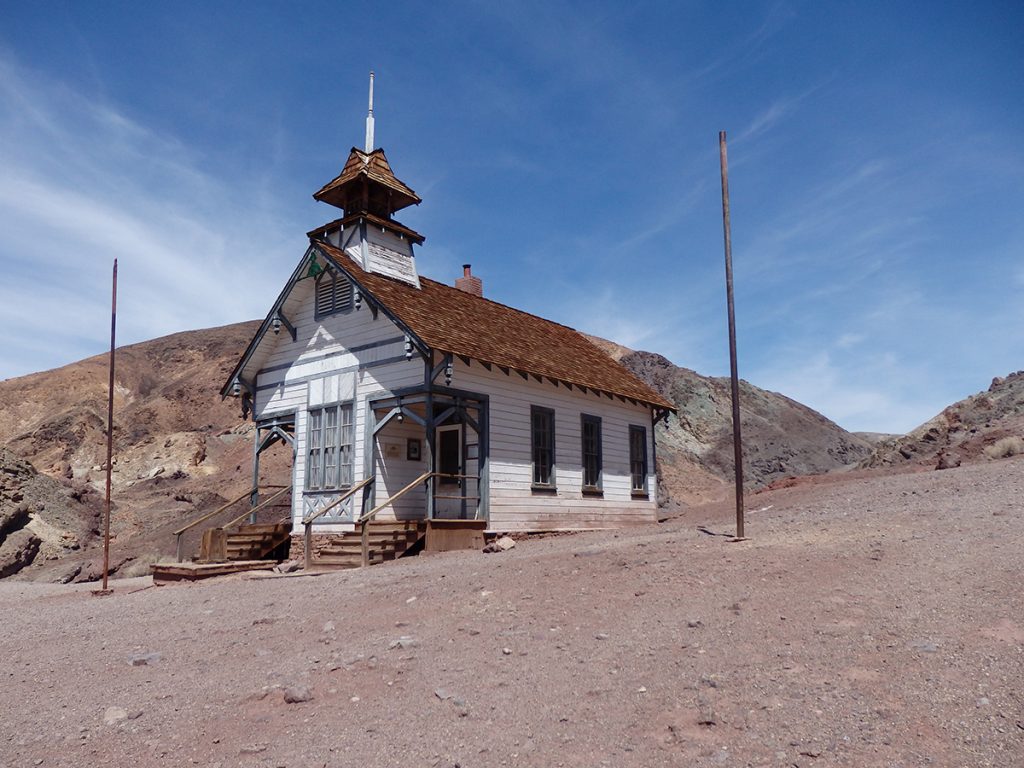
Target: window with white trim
590	449
329	448
542	444
638	459
333	293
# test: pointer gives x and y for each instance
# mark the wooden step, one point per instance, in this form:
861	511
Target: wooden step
386	540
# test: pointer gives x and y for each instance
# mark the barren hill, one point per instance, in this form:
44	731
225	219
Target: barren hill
781	437
180	451
963	431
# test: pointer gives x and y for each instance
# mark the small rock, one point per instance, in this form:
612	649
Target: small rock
601	636
411	600
948	460
144	659
442	694
288	566
507	651
501	544
296	694
405	641
329	627
115	715
695	623
706	716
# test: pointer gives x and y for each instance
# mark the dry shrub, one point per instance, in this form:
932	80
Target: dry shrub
1005	447
139	566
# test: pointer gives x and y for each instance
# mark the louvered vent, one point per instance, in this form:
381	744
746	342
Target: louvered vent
333	294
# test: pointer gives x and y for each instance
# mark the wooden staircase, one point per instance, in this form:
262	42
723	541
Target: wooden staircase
387	540
266	541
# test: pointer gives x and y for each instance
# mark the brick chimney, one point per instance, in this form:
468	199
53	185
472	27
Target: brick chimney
469	282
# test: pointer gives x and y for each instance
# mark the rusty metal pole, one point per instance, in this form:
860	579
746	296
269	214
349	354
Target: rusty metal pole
733	369
110	429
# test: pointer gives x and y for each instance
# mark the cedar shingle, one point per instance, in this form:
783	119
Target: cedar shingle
450	320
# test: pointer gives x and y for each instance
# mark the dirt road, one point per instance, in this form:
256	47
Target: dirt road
871	622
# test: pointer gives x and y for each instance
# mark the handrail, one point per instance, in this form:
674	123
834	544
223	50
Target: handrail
386	503
215	512
202	519
364	521
307	521
345	496
257	508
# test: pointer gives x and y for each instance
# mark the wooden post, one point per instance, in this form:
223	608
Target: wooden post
307	545
364	540
110	430
733	369
177	547
254	498
429	436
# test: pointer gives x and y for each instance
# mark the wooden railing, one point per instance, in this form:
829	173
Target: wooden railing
362	522
307	521
202	519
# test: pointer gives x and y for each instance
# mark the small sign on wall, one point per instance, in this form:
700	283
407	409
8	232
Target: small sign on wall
413	449
392	449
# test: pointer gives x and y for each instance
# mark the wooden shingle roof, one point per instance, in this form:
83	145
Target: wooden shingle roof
452	321
374	167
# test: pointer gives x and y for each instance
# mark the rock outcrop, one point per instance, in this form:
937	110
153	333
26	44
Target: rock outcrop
964	429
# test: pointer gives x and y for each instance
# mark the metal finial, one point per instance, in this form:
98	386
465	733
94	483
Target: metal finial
369	120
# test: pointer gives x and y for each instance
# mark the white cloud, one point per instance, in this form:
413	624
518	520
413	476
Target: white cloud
84	184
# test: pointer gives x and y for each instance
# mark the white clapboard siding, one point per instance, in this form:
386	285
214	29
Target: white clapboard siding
513	503
349	343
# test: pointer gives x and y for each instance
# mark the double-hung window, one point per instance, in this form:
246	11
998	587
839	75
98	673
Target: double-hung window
329	465
590	449
542	443
638	459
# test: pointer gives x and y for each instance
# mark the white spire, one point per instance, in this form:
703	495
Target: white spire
369	120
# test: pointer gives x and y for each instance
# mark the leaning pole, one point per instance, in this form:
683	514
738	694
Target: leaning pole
733	370
110	430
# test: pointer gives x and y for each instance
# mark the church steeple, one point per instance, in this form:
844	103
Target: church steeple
369	193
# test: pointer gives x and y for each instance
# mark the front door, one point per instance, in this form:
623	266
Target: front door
448	491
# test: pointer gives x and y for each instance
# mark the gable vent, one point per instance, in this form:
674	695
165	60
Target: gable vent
333	294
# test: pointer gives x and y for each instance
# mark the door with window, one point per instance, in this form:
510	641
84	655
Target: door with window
448	491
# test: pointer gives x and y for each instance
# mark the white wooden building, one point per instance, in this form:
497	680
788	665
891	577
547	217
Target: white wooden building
371	371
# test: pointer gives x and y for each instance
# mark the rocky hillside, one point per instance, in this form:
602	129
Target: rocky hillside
180	451
963	431
781	437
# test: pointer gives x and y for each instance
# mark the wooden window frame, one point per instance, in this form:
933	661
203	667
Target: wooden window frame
597	454
638	467
338	304
536	435
328	452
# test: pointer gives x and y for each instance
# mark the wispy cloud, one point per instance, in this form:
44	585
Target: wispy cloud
83	184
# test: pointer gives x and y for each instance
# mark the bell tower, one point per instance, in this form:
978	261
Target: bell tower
368	193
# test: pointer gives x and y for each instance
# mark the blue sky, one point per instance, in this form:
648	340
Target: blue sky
567	150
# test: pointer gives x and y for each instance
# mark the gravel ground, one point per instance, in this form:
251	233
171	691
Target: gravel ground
869	622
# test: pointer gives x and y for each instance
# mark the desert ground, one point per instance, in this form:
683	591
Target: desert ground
872	620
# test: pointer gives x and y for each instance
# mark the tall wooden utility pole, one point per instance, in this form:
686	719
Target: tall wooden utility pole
110	430
733	371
